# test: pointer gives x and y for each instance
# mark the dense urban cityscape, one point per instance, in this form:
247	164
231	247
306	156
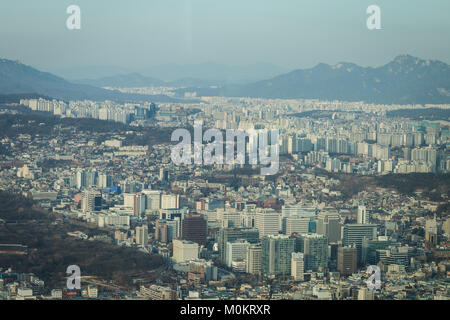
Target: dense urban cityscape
224	159
226	232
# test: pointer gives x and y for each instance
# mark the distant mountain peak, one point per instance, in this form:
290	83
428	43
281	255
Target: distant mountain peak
404	80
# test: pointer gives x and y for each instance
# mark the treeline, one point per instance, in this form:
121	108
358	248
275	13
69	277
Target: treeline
12	125
429	183
41	123
420	114
51	250
432	186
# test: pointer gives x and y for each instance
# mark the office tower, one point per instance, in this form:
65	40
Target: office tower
353	234
194	228
347	260
128	200
276	254
140	201
184	250
363	216
170	201
394	255
236	251
431	233
297	266
267	221
91	201
142	236
166	230
161	231
370	248
135	201
232	234
164	175
328	224
333	251
315	249
300	211
229	219
153	199
297	224
253	259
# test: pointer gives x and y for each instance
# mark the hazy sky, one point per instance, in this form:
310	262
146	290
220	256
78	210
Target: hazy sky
289	33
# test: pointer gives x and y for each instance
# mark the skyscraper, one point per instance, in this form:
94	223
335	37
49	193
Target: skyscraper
297	266
431	232
363	217
91	201
253	261
276	254
142	236
236	251
328	224
296	225
267	221
347	260
232	234
194	228
353	234
315	249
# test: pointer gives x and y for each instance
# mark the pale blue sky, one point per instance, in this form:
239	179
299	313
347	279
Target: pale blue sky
289	33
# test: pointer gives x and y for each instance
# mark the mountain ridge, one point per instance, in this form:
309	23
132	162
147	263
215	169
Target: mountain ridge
404	80
18	78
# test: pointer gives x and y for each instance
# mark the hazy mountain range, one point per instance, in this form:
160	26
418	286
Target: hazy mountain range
189	74
405	80
17	78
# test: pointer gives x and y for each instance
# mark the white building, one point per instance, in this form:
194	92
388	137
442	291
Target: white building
184	250
236	251
297	266
268	222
